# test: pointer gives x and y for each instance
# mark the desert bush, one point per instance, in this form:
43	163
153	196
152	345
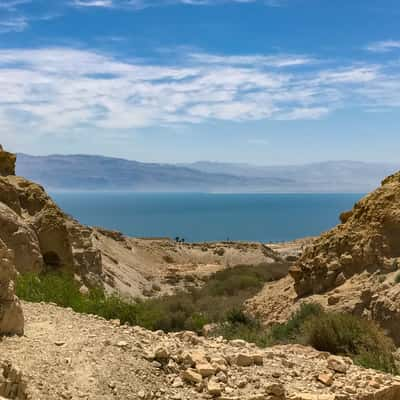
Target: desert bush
292	329
62	289
220	251
342	334
251	331
347	334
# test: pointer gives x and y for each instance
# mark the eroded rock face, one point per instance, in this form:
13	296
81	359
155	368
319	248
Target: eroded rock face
368	239
354	268
11	316
40	234
22	239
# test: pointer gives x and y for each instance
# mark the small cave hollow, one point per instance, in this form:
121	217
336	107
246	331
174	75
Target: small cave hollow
51	259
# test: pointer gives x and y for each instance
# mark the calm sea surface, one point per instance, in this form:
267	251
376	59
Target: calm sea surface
209	217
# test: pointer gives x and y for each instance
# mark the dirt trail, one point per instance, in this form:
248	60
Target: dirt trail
65	355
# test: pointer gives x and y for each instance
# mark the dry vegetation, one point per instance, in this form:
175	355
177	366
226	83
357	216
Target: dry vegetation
220	301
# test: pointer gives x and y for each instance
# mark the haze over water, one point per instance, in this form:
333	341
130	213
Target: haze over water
209	217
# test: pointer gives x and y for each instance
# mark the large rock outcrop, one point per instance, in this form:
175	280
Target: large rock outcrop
41	235
367	240
11	316
352	268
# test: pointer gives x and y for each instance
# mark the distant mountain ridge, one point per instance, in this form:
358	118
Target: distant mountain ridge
87	172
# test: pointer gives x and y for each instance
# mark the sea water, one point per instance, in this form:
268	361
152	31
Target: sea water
198	217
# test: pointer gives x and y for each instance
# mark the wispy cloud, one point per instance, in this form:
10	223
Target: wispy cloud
384	46
62	89
14	16
14	24
278	61
12	5
93	3
141	4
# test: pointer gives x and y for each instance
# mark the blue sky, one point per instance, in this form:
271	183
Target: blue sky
260	81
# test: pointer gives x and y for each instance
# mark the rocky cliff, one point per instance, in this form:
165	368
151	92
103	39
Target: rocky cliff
41	236
353	268
367	240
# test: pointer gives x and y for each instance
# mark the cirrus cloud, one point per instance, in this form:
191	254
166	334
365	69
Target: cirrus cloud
59	89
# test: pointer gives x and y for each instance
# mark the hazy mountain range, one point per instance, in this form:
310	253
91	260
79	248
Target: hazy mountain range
83	172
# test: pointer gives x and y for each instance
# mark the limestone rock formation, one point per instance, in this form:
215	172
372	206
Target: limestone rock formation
352	268
40	234
11	316
367	240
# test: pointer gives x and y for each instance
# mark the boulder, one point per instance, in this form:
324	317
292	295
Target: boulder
19	236
11	315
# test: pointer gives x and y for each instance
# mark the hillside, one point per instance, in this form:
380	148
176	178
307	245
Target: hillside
82	172
329	176
352	268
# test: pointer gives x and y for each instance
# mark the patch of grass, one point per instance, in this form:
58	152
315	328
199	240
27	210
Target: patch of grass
61	289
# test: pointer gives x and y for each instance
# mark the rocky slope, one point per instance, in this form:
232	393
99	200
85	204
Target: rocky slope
351	268
161	266
65	355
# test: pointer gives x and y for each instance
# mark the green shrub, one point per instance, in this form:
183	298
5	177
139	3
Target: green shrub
342	334
291	330
252	332
63	290
347	334
237	316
